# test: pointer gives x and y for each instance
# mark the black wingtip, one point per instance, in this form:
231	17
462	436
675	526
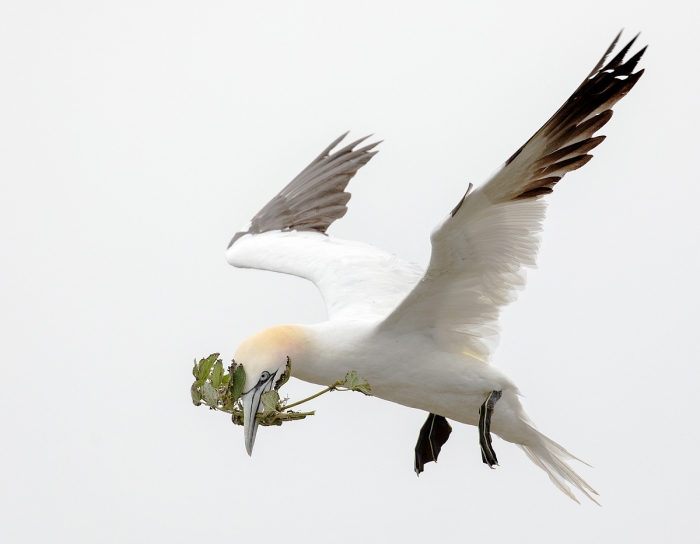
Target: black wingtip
618	59
605	56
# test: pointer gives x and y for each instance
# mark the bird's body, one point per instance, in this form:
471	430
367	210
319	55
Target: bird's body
406	369
423	338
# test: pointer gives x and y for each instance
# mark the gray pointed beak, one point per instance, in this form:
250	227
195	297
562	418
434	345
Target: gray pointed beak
252	404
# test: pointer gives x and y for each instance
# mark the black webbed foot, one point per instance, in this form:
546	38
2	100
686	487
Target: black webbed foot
433	435
488	456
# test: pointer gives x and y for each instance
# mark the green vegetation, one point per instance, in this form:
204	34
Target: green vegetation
221	390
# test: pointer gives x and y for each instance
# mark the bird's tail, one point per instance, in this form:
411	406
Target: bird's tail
551	457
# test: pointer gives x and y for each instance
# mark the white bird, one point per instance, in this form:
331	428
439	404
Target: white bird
423	338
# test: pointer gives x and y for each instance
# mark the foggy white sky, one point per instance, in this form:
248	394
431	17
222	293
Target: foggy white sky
137	137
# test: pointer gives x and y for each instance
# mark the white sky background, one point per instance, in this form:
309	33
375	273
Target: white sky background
137	137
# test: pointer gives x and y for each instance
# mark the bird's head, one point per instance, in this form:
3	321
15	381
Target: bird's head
264	358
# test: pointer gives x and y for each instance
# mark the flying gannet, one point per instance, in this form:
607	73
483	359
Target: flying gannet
423	338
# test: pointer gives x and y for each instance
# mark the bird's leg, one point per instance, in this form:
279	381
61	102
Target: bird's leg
488	456
433	435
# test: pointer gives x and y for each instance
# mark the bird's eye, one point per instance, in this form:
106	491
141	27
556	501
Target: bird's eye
264	376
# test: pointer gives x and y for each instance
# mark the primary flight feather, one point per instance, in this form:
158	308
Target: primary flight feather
423	338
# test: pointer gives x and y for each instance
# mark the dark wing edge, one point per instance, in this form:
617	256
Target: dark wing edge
563	142
316	197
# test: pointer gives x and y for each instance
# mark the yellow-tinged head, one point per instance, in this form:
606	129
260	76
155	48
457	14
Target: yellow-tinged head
264	359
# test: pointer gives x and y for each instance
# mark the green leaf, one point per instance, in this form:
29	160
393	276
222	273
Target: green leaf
228	404
205	366
237	382
355	383
237	417
196	395
217	374
270	401
284	378
195	369
225	379
209	394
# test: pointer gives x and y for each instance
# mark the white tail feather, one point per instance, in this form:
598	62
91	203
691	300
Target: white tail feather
551	457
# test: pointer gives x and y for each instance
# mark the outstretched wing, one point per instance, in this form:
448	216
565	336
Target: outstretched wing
288	236
480	249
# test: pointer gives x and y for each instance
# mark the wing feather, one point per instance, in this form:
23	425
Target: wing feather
480	250
316	197
289	236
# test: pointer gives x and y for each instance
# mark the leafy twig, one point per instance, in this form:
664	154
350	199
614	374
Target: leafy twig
221	390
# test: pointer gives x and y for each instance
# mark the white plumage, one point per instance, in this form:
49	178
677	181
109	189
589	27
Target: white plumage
423	338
